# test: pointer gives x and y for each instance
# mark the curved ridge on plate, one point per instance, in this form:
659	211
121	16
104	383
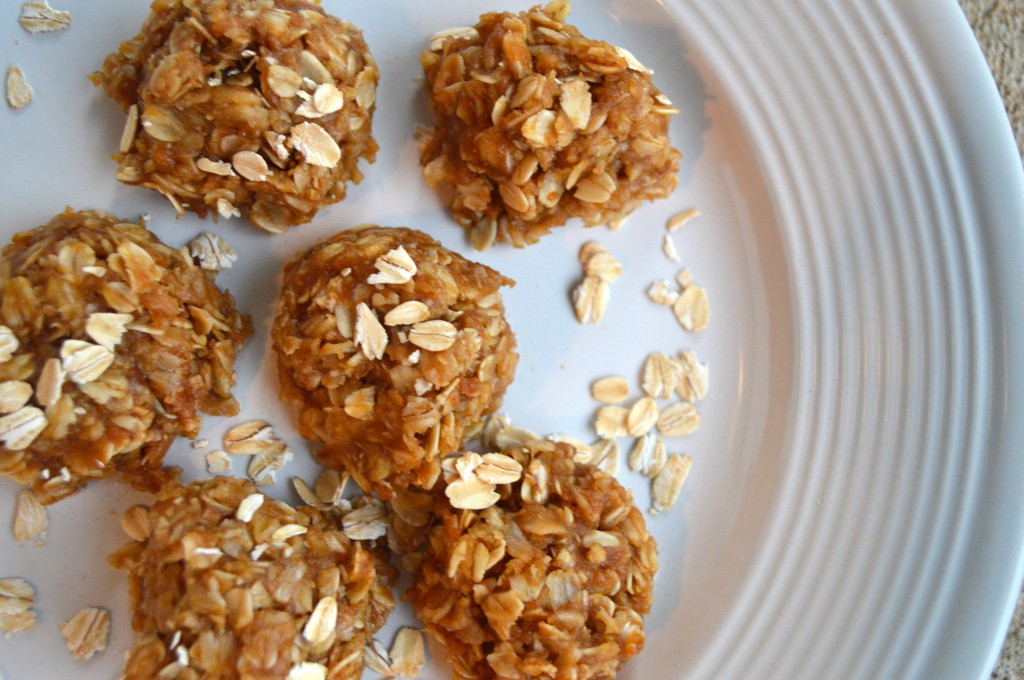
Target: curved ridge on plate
893	336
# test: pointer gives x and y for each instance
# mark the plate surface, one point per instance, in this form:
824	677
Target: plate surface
854	509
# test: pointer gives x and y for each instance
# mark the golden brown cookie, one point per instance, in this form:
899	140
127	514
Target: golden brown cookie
535	123
391	347
111	344
548	578
228	583
262	106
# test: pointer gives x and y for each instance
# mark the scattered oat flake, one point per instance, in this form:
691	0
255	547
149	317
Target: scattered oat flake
249	438
17	622
538	129
366	87
407	313
367	523
471	493
326	99
613	389
576	102
691	309
283	81
590	299
321	623
307	494
250	165
131	128
312	68
330	486
370	334
217	462
681	218
213	167
15	595
264	466
106	328
83	361
287	531
87	632
642	416
497	468
19	92
589	250
315	144
661	294
678	420
212	252
394	266
605	455
660	375
684	278
435	335
13	395
19	429
631	60
692	383
249	505
610	422
438	40
16	598
39	17
407	653
668	246
29	517
377	659
648	455
603	265
225	208
669	482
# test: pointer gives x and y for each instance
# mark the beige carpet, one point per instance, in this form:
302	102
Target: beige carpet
999	26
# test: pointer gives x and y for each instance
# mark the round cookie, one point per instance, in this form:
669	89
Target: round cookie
262	106
535	123
535	566
228	583
111	344
391	348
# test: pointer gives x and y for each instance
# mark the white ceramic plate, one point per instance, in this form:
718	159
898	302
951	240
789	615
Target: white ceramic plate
854	509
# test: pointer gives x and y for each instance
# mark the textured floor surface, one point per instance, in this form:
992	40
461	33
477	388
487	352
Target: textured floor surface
999	26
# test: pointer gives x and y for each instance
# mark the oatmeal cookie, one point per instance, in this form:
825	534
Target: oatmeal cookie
535	123
551	581
391	348
111	344
257	105
228	583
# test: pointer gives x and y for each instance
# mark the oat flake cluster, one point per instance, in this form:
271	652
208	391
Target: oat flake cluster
535	123
256	105
227	583
111	344
391	348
